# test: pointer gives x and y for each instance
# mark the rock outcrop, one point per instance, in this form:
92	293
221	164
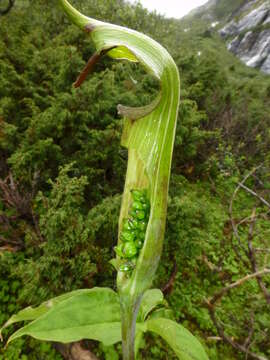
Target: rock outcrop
248	34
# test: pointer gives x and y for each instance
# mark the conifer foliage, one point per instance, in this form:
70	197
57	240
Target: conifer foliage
62	173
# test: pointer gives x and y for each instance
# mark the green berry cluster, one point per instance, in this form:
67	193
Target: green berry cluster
133	231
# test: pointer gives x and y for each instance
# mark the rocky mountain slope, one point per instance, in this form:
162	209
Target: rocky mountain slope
249	34
245	26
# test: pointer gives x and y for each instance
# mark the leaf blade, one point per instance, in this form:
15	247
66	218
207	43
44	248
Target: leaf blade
31	313
150	300
91	314
183	343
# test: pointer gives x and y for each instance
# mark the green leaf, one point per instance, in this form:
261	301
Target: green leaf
138	341
81	314
150	300
89	314
115	263
162	313
182	342
109	352
31	313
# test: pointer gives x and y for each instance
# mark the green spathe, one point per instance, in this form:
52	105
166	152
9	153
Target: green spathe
149	136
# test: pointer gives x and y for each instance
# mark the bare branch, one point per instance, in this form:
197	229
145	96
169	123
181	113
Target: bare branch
211	308
14	197
252	257
227	338
237	283
214	338
210	265
248	341
167	288
250	260
234	226
254	194
10	241
261	250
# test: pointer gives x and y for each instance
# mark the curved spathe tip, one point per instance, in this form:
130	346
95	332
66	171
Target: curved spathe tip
76	17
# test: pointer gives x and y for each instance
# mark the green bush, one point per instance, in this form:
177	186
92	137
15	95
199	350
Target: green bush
62	147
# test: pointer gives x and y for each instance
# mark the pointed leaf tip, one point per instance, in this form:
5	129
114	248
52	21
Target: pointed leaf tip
182	342
87	314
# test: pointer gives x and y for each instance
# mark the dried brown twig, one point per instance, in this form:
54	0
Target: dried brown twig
13	198
237	283
211	305
255	194
250	252
252	257
247	254
234	226
20	201
168	287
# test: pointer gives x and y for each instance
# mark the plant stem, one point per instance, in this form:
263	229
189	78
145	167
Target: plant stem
129	310
128	337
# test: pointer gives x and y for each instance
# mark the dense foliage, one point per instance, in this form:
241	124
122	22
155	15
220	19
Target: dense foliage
62	173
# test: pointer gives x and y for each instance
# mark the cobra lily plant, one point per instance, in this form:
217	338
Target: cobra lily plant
100	313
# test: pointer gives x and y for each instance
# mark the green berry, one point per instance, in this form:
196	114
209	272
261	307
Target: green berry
130	250
137	195
142	225
146	206
133	262
137	205
139	243
141	236
140	214
133	213
125	268
119	250
134	224
128	236
126	225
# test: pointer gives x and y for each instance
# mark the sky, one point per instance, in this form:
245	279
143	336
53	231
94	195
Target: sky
171	8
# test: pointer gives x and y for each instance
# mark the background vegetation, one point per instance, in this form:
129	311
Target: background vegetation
62	172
